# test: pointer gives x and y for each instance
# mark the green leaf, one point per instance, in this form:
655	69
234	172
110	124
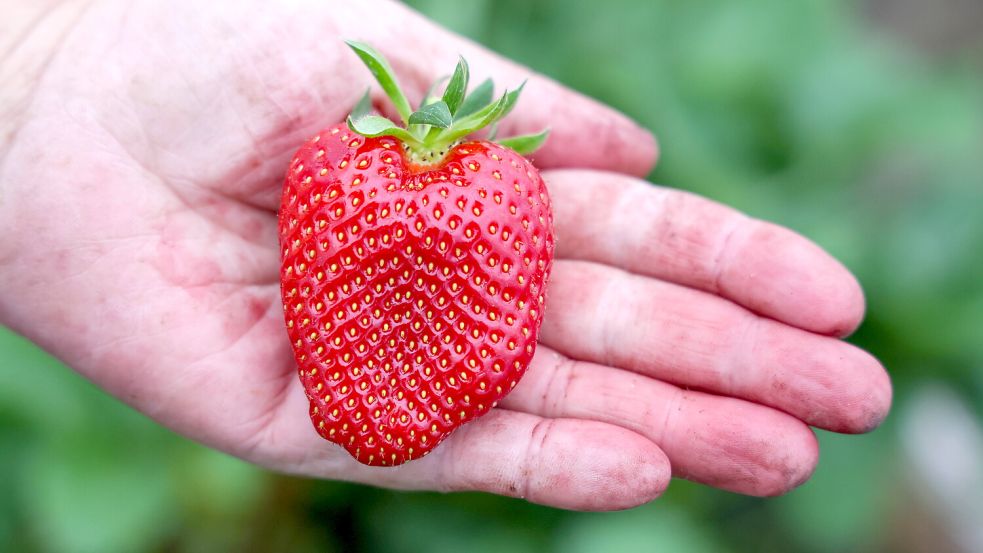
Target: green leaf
527	143
473	121
384	75
456	88
483	117
363	107
508	102
492	112
371	125
376	125
479	98
479	119
436	114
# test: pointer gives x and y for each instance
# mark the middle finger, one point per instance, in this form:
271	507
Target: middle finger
695	339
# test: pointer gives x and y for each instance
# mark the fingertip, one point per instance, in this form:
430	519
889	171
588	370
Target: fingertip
633	148
823	381
834	294
810	456
592	466
796	466
741	446
648	151
783	275
857	390
844	307
884	399
866	407
653	473
634	477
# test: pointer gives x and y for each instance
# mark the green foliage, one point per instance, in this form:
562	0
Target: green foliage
850	493
651	528
84	473
800	112
480	96
438	123
457	86
526	143
435	114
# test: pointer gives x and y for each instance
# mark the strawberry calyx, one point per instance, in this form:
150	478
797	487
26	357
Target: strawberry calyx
440	122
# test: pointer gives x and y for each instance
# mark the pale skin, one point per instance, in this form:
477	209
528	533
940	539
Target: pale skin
142	149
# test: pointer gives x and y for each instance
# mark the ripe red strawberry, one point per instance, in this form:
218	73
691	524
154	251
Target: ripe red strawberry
414	269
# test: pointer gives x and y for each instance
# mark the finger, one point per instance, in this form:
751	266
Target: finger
584	133
272	103
723	442
565	463
694	339
689	240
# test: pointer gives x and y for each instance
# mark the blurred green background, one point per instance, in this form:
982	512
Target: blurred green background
858	124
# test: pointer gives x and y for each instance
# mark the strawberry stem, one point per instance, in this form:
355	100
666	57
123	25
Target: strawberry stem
439	123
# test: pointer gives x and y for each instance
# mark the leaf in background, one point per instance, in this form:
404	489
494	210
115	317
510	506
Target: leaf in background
655	528
848	495
404	522
88	496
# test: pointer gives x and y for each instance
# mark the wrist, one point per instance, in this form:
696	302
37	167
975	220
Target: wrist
30	35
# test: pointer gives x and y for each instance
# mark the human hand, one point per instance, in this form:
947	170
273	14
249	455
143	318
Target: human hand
137	205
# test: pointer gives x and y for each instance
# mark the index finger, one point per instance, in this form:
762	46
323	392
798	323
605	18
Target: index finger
583	132
682	238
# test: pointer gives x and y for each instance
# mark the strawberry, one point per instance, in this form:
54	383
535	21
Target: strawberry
414	268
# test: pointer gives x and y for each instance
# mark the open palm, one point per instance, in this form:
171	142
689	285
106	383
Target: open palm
137	206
